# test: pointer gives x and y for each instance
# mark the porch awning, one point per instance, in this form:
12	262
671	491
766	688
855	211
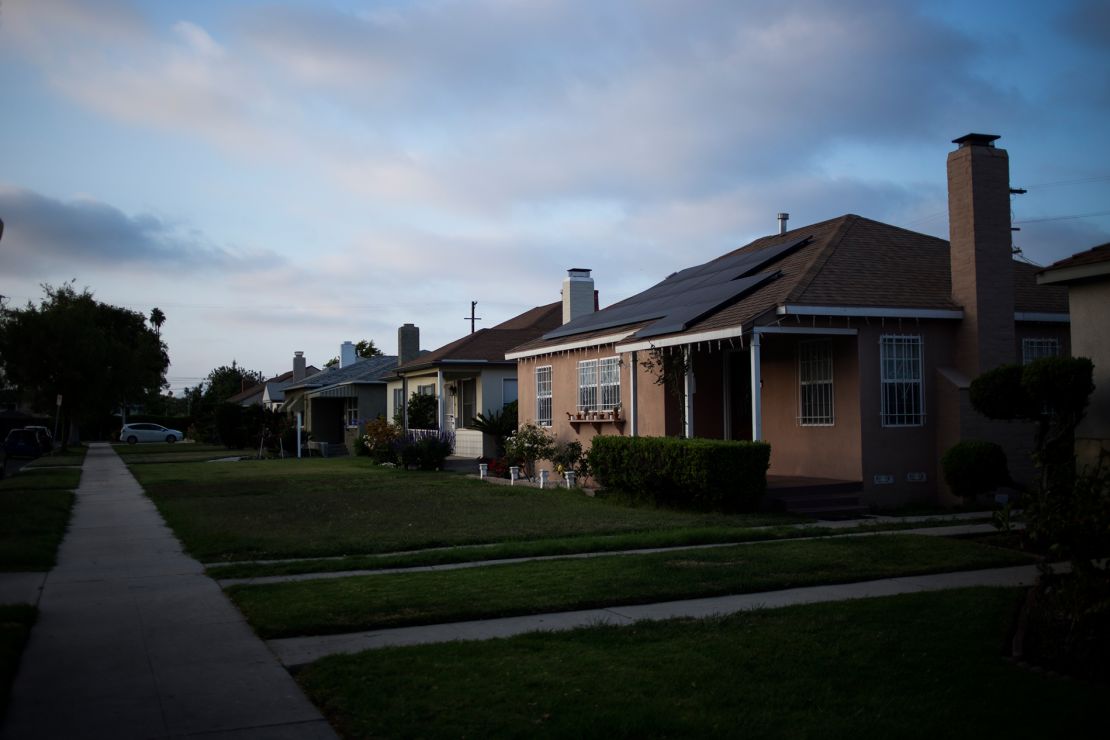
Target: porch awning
334	391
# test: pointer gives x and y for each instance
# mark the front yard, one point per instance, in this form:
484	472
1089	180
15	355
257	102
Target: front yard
315	508
35	505
914	666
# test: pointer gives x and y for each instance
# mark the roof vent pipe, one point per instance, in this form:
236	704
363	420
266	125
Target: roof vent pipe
783	218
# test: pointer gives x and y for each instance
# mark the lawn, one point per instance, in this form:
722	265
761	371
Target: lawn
161	452
318	508
34	511
914	666
560	546
15	628
73	455
396	599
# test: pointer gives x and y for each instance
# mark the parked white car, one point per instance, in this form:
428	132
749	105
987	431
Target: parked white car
133	433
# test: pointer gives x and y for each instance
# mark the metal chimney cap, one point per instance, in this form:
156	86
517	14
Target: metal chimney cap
976	140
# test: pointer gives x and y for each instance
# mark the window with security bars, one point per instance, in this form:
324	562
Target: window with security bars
903	392
1035	349
815	383
609	382
543	396
599	384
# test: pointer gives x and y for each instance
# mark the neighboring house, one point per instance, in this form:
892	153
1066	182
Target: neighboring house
1087	277
333	402
270	394
470	375
848	345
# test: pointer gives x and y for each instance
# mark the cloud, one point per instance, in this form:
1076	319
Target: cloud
43	233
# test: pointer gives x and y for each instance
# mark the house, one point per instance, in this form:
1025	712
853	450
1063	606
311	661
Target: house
1087	277
468	376
270	393
335	400
849	344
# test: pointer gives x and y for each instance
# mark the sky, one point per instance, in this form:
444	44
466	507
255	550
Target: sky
283	176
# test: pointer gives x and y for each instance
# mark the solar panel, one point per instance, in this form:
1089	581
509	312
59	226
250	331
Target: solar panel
686	296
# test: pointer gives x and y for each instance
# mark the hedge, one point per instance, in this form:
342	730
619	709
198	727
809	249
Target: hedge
685	473
975	467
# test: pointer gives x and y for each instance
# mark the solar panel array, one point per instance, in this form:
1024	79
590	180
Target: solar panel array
686	296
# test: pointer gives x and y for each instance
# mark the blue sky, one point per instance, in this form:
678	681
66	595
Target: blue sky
281	176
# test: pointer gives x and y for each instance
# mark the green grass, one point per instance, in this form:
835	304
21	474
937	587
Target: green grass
71	456
914	666
161	452
15	627
319	508
556	546
35	507
392	600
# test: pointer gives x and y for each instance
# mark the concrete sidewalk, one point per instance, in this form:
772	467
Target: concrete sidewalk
295	651
134	641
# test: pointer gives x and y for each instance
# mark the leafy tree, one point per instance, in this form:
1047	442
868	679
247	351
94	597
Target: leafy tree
227	380
95	355
364	348
423	411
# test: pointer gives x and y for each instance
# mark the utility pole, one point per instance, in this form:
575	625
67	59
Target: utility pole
472	318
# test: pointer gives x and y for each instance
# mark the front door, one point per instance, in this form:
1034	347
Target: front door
468	397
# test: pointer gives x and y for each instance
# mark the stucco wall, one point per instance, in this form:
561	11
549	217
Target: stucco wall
813	451
1090	336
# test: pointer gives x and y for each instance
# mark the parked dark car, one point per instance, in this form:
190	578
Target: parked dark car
46	439
23	443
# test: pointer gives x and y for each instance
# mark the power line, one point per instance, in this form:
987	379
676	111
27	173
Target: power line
1063	218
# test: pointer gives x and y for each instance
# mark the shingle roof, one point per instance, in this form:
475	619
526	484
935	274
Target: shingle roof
278	381
848	261
363	370
490	345
1092	256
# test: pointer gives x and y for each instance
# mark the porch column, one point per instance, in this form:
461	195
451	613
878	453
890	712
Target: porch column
633	387
404	403
757	402
440	390
689	388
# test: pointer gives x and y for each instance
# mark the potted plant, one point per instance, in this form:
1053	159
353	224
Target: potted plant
616	412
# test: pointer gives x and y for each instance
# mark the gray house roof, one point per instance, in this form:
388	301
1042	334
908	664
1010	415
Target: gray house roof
337	380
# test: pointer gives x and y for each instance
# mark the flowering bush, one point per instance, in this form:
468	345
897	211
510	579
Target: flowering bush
380	440
528	444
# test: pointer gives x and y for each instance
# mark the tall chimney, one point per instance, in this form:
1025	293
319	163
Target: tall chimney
347	356
408	343
578	293
981	252
298	366
783	218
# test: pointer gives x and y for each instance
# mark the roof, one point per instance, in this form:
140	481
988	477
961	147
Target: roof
849	261
488	346
1092	263
278	381
363	370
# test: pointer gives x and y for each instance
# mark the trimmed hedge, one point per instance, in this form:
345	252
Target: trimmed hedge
974	467
684	473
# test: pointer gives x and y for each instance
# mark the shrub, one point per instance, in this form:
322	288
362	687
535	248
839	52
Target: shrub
569	456
426	452
380	440
974	467
500	424
686	473
528	444
423	411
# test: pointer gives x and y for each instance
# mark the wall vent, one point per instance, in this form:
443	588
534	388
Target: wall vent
916	477
884	480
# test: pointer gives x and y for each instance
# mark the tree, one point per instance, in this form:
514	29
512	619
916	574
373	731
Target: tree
157	318
96	356
423	411
227	380
364	348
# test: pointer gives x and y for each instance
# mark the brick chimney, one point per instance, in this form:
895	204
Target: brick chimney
298	366
578	294
981	252
408	343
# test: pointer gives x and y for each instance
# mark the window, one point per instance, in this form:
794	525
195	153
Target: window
599	384
815	383
543	396
903	396
508	391
426	390
398	400
350	411
1035	349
